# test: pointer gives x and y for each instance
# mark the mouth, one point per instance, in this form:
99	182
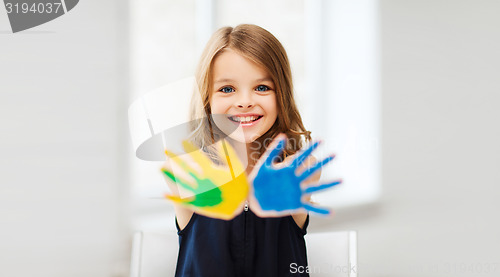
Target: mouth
245	120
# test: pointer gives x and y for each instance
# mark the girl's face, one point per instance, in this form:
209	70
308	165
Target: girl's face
243	98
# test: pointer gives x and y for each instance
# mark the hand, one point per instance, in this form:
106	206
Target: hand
277	188
218	191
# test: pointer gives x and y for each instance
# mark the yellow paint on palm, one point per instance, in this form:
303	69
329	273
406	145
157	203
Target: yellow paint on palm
218	191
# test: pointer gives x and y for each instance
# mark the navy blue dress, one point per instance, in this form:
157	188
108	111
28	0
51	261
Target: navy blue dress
244	246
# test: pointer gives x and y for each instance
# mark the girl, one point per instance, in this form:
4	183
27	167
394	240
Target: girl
244	75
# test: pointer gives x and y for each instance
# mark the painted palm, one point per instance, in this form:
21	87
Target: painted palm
217	191
277	188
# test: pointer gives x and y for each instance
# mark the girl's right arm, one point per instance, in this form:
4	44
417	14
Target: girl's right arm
183	214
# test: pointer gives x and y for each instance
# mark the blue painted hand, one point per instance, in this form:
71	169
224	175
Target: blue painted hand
277	187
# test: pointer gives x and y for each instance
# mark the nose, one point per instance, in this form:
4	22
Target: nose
245	105
245	100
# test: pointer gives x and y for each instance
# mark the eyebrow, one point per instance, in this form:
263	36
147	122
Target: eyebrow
231	80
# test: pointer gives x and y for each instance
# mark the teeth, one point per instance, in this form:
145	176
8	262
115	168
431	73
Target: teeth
244	119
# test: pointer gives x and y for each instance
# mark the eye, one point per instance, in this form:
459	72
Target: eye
262	88
226	89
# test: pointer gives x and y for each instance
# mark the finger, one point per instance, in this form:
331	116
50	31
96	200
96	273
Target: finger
227	152
306	153
176	159
317	210
196	154
175	199
169	174
195	177
275	149
310	171
170	154
315	188
178	180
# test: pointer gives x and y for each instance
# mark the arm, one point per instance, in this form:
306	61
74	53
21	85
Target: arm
182	213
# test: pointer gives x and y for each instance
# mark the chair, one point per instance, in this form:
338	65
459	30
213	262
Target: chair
330	254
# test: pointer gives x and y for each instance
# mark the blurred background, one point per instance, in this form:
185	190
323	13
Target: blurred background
405	92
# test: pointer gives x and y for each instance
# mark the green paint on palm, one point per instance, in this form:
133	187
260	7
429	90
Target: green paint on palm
206	194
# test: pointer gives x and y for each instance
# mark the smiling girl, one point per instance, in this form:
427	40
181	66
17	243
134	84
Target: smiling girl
245	82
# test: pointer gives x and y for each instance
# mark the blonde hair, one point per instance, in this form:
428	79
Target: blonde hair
261	47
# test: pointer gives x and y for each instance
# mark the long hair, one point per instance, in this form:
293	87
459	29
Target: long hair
261	47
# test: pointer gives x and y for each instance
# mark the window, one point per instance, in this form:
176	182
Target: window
332	47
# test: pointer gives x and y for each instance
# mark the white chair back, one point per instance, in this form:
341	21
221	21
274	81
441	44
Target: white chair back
330	254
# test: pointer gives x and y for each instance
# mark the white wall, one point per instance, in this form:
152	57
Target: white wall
440	144
63	131
63	185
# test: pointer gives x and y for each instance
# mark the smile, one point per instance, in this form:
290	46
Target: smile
245	120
